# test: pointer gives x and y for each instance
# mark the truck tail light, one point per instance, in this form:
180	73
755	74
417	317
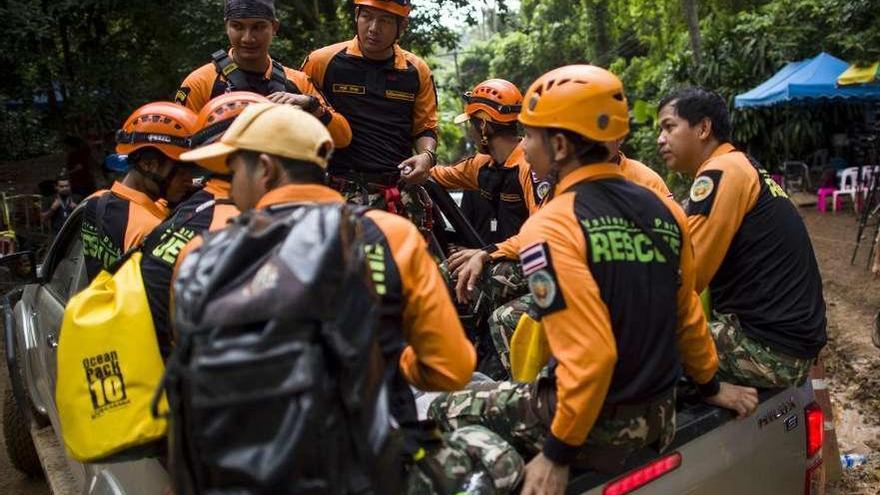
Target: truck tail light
634	480
815	428
814	477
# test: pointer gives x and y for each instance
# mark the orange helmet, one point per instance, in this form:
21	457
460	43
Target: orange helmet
162	125
584	99
215	117
500	99
396	7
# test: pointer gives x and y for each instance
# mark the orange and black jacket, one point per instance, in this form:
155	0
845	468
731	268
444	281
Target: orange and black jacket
389	104
755	255
632	170
618	307
205	83
207	210
509	190
436	355
128	216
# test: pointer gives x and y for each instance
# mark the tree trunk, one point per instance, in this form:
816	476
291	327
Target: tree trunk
599	28
689	7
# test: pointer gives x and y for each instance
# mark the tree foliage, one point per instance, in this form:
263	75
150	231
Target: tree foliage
91	62
650	46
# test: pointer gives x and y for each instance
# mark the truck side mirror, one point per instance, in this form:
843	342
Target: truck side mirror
18	268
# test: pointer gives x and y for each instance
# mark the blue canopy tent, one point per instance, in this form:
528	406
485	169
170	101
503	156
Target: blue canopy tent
811	79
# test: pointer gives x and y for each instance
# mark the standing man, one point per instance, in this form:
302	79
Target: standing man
388	96
752	248
610	266
62	205
277	157
114	221
247	66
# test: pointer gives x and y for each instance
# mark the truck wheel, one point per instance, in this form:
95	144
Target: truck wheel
19	445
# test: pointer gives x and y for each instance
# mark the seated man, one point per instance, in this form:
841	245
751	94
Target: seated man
114	221
752	249
610	267
278	155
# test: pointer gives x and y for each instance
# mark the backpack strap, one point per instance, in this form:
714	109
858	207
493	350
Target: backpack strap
278	80
225	66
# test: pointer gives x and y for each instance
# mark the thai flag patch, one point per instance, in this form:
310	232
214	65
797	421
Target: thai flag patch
534	258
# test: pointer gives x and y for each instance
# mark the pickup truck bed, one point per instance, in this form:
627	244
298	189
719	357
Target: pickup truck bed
762	454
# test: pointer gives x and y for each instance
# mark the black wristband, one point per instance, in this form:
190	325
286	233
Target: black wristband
326	117
558	451
710	388
313	104
491	248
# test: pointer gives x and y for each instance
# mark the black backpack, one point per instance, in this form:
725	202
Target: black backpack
277	384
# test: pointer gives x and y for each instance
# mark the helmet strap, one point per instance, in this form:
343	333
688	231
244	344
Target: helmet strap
161	182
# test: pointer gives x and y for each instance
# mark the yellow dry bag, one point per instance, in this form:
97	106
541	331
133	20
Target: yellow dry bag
109	367
529	350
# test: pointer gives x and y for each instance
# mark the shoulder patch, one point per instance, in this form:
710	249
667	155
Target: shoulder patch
702	195
543	284
181	95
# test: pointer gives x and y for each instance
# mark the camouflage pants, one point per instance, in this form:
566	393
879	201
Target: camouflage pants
502	324
412	203
521	413
466	458
744	361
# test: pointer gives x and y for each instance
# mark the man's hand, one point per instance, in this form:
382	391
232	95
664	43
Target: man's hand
544	477
459	257
56	205
302	101
743	400
415	169
467	275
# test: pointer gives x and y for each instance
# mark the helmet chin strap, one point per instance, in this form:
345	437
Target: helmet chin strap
161	182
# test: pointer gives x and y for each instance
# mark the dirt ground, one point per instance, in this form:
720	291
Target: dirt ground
852	362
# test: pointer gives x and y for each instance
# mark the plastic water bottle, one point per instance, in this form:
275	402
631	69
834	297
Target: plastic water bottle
849	461
479	483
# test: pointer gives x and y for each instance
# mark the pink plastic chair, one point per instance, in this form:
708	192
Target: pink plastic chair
822	196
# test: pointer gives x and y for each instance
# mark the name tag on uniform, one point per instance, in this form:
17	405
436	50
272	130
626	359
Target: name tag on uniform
511	198
351	89
399	95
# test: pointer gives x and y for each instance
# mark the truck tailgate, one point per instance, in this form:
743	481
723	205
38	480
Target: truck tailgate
762	454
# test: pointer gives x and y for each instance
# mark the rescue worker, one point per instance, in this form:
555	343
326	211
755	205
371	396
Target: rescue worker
247	66
207	210
752	248
504	286
499	170
388	96
610	268
278	155
118	219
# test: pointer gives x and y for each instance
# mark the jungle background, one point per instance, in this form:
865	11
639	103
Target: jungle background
78	67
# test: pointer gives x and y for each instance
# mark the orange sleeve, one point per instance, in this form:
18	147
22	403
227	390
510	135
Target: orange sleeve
195	90
338	126
695	345
462	175
140	223
315	64
507	249
438	355
716	217
579	330
425	110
